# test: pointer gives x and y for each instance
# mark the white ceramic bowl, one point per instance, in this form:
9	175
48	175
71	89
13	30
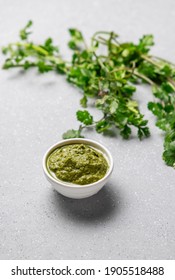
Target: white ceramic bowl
72	190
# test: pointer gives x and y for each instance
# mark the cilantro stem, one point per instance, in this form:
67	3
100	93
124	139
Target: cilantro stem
34	47
101	63
147	58
112	36
20	65
81	127
40	50
163	60
135	73
98	41
170	80
143	77
102	32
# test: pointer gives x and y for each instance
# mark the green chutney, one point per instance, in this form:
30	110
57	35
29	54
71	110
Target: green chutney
77	163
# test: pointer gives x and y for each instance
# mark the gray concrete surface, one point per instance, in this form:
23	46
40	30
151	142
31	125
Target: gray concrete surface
133	217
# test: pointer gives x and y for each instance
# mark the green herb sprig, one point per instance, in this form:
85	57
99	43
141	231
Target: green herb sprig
108	71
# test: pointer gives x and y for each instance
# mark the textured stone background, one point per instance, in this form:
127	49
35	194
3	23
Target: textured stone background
133	216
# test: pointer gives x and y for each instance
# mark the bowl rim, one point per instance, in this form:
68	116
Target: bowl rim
80	140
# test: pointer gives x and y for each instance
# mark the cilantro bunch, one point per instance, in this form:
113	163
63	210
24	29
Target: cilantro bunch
108	71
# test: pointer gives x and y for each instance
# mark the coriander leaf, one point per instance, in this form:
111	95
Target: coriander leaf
156	108
160	93
132	106
83	101
43	67
146	131
113	106
72	134
76	39
27	65
24	32
162	124
145	43
48	45
143	132
169	154
72	45
5	50
147	40
84	117
102	126
61	68
166	70
128	89
170	137
76	34
101	102
125	132
167	87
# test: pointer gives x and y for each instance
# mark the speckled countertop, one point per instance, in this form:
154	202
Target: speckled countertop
133	216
